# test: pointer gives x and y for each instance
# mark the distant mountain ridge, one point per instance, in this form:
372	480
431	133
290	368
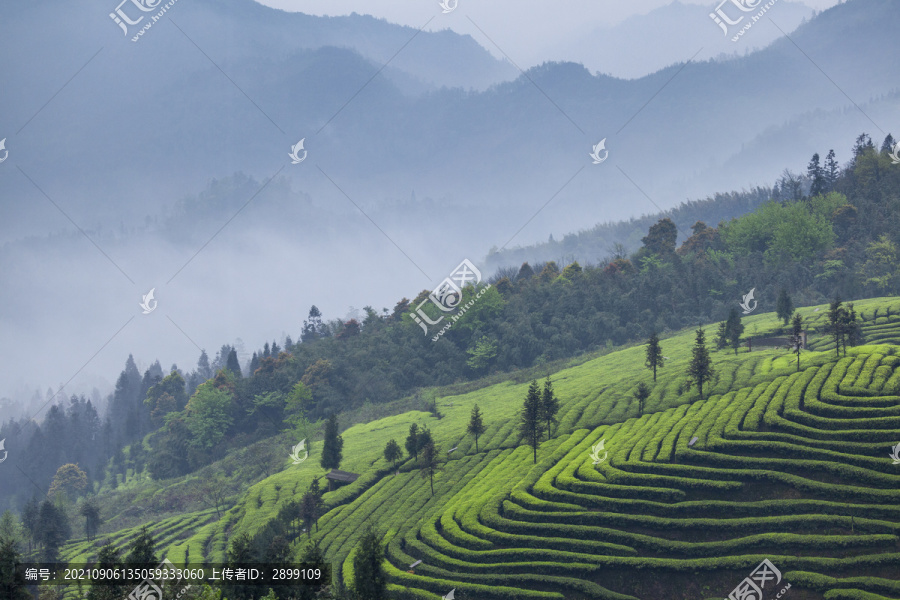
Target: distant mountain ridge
256	86
165	108
678	30
103	132
598	243
437	58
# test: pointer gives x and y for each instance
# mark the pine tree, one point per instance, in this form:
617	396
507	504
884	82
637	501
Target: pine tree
429	462
203	369
861	146
291	515
797	336
412	441
90	510
241	552
319	504
108	558
735	329
333	446
392	452
525	272
11	529
30	515
835	323
126	396
311	506
53	530
12	576
142	554
549	405
233	365
831	171
312	555
641	394
118	465
369	579
531	424
887	147
278	552
476	425
241	549
816	176
312	326
722	340
700	370
784	308
730	331
851	327
654	354
424	438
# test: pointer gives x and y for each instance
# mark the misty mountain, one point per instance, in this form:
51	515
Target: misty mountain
808	133
168	94
157	131
117	138
606	240
678	31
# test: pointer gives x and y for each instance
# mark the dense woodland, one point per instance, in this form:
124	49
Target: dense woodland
833	232
617	237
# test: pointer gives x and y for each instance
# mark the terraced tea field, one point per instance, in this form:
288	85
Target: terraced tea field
788	466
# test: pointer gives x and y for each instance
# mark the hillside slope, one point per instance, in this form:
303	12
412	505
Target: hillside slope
789	466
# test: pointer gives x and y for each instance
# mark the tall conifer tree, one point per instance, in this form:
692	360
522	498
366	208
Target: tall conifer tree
700	370
654	354
333	446
531	426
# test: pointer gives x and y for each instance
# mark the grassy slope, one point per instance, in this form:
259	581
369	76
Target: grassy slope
564	529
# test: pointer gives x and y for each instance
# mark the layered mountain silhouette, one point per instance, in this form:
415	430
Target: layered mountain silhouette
153	147
216	88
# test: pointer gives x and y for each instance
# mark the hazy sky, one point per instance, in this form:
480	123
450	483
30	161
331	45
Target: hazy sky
527	30
228	295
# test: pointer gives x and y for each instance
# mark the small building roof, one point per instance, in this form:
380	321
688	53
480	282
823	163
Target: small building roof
337	475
